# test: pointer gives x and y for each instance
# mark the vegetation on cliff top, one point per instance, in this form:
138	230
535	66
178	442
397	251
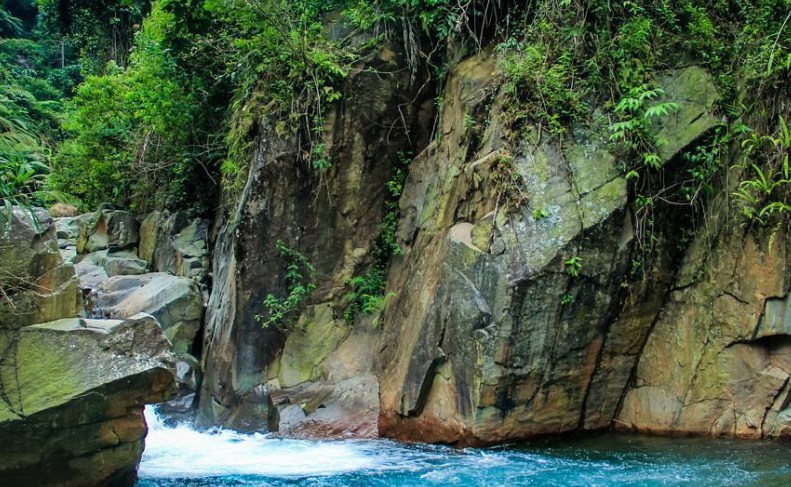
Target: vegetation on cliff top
151	104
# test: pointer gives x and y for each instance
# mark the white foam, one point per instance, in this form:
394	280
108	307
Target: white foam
181	452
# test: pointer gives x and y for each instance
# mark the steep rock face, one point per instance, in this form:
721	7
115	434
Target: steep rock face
508	322
71	412
525	303
332	217
719	357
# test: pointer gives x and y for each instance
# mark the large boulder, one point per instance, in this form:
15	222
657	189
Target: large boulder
71	412
107	229
718	361
36	284
174	301
176	243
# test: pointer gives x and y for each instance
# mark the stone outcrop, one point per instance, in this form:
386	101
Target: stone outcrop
71	412
177	244
307	373
507	320
174	301
718	360
36	284
524	304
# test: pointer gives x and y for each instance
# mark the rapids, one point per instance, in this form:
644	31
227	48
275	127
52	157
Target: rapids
181	457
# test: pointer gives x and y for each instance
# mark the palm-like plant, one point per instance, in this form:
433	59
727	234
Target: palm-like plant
763	195
22	164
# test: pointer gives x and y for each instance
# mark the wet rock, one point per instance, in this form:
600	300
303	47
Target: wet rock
73	396
324	387
188	378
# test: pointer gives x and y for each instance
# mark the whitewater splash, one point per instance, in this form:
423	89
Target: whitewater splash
183	457
181	452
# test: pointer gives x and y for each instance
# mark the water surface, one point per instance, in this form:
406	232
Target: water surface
182	457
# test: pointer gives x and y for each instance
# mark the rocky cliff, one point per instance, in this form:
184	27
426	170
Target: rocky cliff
72	390
522	302
315	378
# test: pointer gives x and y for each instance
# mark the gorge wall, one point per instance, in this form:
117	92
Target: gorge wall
488	335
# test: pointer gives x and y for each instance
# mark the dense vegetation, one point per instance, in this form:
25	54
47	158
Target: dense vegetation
158	104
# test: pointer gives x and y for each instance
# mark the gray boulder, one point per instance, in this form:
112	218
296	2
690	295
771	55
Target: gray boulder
107	229
36	284
176	244
174	301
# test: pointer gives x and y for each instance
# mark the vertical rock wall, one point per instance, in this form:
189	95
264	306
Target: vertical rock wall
518	307
332	217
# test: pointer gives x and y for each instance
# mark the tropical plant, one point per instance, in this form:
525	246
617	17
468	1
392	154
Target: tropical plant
574	266
299	286
764	196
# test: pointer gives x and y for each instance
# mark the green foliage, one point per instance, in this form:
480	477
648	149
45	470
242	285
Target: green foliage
638	111
100	32
95	164
543	78
22	167
704	162
144	120
367	293
764	196
574	266
299	285
540	214
284	68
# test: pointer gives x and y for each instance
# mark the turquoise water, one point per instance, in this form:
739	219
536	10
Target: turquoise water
181	457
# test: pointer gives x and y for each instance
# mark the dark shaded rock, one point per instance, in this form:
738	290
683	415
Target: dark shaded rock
188	378
333	218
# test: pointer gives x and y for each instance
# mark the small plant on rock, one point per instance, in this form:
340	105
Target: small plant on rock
574	266
300	284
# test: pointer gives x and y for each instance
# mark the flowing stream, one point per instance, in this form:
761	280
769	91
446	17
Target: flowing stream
182	457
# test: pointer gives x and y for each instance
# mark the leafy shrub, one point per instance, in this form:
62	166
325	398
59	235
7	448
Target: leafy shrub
763	196
299	285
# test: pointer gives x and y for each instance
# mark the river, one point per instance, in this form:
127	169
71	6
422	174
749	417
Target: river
182	457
